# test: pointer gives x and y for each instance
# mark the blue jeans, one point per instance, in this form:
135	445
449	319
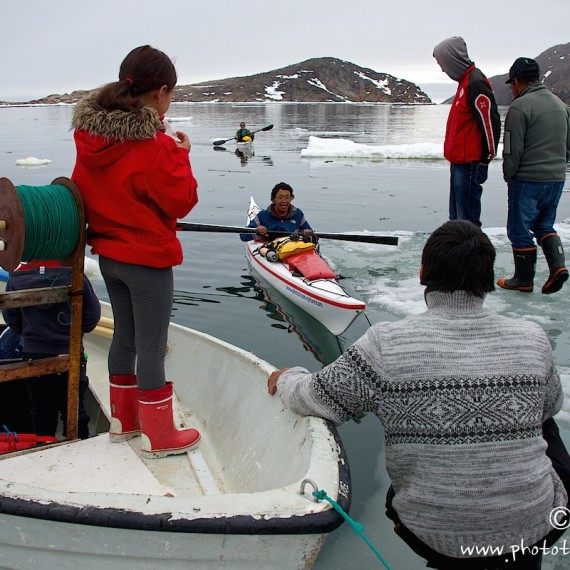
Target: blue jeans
465	191
532	210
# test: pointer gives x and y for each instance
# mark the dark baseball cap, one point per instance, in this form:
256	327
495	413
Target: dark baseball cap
523	68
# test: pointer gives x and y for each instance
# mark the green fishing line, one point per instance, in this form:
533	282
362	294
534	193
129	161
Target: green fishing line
51	220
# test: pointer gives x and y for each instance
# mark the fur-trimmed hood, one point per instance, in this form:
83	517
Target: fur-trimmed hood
135	181
118	125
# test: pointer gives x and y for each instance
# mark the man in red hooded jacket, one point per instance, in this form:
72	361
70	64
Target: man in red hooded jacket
473	130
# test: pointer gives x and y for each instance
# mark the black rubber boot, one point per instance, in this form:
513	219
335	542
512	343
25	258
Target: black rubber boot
525	264
554	253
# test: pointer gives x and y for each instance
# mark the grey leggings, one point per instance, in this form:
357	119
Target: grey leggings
141	298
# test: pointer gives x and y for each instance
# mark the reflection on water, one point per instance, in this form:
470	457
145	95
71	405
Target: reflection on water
245	157
285	316
248	290
184	298
315	338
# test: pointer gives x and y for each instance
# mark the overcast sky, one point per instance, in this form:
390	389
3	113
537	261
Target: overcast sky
58	46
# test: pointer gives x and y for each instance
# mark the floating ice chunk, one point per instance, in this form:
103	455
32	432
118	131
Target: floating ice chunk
319	147
33	161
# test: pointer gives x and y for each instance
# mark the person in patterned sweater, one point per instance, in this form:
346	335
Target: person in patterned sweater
463	395
472	132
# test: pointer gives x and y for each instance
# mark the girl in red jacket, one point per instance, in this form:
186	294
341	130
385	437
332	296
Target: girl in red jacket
136	181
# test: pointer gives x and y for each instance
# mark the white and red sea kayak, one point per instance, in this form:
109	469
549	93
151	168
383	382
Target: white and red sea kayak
308	281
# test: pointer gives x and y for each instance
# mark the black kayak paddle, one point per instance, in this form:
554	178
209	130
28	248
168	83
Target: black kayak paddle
191	227
267	128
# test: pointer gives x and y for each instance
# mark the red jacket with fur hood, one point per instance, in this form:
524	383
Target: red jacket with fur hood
135	183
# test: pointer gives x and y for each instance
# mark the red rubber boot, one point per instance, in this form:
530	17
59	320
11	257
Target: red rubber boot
124	408
160	437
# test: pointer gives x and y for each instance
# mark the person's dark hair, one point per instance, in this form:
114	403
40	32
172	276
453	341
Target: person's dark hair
458	256
281	186
144	69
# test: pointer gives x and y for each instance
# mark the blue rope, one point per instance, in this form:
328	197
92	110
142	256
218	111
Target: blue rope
63	272
9	433
356	527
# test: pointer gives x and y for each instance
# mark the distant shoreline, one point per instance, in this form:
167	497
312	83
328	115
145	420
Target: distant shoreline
4	104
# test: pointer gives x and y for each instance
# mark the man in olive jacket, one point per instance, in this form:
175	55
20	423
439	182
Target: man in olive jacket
536	149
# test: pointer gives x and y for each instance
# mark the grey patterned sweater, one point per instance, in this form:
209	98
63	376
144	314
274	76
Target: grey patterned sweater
462	394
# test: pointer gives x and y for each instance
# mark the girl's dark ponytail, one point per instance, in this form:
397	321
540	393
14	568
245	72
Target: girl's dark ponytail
117	96
144	69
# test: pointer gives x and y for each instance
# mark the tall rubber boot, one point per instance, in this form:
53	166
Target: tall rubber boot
160	437
525	266
554	253
124	407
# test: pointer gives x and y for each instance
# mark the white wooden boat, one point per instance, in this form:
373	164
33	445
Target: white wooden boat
235	502
324	299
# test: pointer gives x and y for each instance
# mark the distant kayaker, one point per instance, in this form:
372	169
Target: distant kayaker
466	397
136	181
280	216
242	133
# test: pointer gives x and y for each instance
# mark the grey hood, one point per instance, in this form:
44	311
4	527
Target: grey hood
451	54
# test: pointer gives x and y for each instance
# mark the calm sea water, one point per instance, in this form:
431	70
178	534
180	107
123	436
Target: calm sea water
216	293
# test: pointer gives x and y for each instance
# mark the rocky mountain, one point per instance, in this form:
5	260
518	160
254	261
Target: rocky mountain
318	80
554	66
67	98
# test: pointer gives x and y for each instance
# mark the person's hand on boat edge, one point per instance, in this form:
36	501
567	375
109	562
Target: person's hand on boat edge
273	379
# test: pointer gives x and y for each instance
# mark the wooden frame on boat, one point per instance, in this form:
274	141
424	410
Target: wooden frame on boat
12	234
